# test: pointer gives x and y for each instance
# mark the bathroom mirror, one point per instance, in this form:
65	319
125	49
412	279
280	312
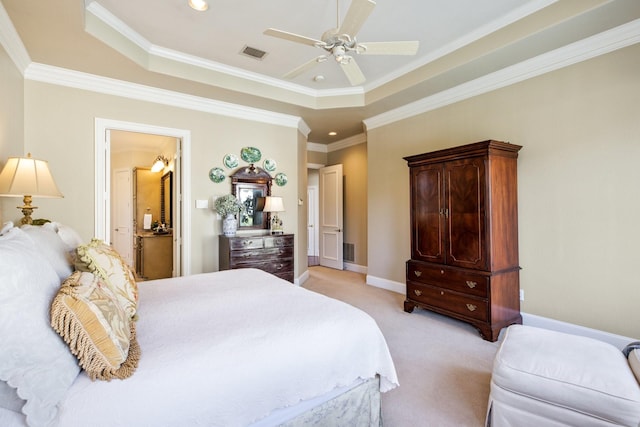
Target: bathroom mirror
250	185
166	199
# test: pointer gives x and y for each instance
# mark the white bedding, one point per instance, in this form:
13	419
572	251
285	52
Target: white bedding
227	348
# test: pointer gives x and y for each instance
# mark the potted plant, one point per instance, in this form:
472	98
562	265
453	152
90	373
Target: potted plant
228	206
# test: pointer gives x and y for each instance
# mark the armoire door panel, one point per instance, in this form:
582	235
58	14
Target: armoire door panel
428	203
464	183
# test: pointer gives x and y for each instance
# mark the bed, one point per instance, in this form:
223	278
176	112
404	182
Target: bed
231	348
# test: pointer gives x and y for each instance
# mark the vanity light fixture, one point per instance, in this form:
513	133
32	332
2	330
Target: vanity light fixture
26	177
199	5
159	163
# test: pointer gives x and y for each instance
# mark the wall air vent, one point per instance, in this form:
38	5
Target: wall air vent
253	52
348	252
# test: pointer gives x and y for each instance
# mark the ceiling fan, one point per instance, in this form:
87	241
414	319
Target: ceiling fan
341	43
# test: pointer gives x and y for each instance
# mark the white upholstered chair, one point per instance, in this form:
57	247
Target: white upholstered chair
547	378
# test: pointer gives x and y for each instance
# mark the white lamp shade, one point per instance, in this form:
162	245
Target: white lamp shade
26	176
273	204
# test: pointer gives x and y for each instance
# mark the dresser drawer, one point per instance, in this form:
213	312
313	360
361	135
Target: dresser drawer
241	243
270	266
441	276
251	255
440	298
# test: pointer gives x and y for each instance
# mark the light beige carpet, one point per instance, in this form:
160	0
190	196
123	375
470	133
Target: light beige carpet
443	365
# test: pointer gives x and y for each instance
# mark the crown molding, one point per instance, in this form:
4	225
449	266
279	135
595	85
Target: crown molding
10	40
64	77
314	146
591	47
154	51
361	138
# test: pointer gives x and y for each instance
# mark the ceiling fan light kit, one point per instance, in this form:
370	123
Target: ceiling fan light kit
341	43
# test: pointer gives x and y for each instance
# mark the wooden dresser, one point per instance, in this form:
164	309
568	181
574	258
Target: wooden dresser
464	235
273	254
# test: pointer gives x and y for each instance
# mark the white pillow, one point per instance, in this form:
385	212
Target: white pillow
6	227
51	246
69	236
34	359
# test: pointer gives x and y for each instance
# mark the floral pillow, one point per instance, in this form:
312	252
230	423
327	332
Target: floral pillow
99	332
100	259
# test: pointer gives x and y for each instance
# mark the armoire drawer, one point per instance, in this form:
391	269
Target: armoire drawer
442	276
468	306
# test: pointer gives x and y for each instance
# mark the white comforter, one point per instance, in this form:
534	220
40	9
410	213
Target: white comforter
225	349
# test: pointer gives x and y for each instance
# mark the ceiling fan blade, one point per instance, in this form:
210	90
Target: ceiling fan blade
388	48
304	67
358	12
353	72
292	37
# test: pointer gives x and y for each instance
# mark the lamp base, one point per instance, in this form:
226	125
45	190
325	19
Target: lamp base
27	210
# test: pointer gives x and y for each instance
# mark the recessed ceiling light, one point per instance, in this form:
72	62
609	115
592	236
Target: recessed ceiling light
333	133
199	5
318	78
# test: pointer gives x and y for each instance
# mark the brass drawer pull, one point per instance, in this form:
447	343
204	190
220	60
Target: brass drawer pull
417	273
472	284
417	292
471	307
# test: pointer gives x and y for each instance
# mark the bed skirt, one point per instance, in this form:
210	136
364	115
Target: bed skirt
357	405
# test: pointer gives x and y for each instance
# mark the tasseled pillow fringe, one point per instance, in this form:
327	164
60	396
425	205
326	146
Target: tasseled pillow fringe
82	346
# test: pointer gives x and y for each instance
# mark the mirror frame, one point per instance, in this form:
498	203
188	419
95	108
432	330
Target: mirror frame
254	179
166	183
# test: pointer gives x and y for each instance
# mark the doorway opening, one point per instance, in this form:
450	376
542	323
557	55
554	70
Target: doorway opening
180	208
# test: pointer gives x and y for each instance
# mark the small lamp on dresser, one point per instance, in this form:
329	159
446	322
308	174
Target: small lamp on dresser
274	205
27	177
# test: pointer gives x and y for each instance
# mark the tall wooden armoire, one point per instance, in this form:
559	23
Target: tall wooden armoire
464	235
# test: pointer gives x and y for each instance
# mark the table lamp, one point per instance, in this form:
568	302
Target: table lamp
275	205
26	177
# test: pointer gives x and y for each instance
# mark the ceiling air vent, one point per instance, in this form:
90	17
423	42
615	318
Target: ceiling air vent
253	52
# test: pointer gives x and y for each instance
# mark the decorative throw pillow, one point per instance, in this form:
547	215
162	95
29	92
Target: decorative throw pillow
634	362
101	260
97	329
33	359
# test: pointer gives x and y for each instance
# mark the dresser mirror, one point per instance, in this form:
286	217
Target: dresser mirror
251	184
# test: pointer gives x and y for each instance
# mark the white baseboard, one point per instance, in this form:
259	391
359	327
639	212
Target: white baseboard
618	341
389	285
355	268
303	278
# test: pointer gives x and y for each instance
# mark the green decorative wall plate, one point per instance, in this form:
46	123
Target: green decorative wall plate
250	154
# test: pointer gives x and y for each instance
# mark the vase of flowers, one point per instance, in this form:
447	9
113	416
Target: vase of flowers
228	207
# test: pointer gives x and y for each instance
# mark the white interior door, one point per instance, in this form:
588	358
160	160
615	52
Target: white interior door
331	217
313	248
123	221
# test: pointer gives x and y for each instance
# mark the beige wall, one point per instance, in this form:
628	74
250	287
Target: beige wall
317	158
354	169
11	128
60	128
578	183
